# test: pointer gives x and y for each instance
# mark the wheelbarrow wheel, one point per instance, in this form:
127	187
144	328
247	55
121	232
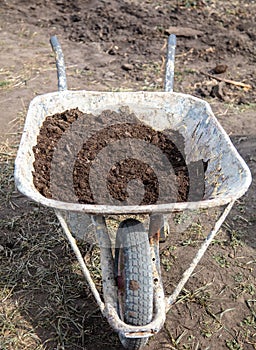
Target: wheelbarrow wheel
133	269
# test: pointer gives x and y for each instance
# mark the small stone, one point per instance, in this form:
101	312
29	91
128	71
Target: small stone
220	68
127	66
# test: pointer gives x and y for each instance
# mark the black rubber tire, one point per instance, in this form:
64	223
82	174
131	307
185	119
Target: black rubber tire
133	268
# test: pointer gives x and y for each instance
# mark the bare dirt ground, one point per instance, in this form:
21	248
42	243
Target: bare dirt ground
121	45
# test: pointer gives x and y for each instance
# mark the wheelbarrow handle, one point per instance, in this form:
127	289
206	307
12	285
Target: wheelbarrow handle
61	71
60	64
169	68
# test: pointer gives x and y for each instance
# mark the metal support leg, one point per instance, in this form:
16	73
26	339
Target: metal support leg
171	299
80	259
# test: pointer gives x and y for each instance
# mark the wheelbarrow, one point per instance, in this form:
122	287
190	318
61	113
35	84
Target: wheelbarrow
134	301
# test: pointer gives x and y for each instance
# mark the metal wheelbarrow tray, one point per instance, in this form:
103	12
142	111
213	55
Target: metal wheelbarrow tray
226	178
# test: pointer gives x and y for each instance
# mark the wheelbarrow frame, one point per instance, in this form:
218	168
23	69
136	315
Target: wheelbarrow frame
108	306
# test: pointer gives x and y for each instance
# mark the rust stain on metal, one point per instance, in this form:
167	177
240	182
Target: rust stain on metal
156	222
154	238
141	334
134	285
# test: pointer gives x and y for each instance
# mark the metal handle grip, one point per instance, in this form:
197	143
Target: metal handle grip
60	64
169	69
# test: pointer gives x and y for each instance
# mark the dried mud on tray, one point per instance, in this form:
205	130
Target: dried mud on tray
109	158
